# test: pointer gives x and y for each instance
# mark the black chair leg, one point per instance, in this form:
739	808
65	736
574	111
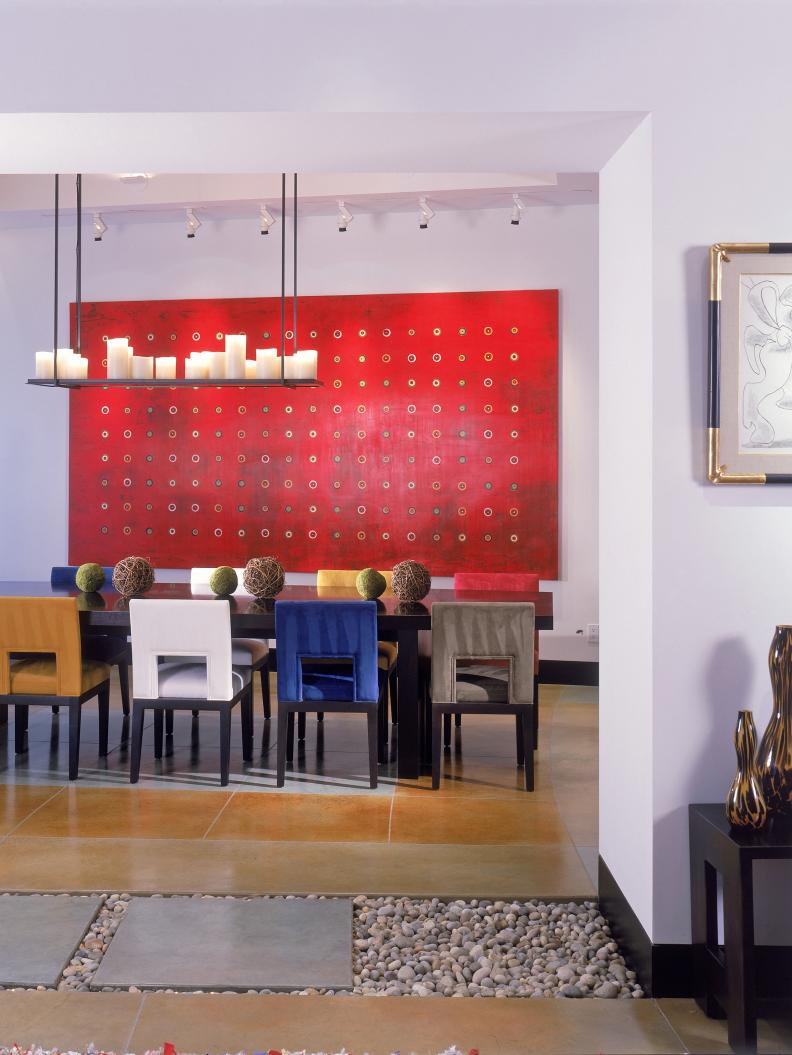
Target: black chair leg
382	729
393	689
104	719
520	745
75	717
458	720
528	749
446	730
246	711
535	718
301	725
290	737
158	732
123	678
374	724
225	745
320	716
169	722
4	714
283	723
137	743
56	709
265	691
20	728
436	721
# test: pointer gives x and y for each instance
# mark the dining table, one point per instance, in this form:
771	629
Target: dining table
403	622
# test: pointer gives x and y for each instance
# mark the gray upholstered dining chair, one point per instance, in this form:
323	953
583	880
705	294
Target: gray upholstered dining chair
469	631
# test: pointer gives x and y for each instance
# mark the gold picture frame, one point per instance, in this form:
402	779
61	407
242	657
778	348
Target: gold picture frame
749	414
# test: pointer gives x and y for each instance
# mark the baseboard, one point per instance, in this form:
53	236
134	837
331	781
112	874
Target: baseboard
568	672
666	969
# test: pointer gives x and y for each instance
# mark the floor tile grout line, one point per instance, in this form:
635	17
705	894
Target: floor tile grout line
684	1048
34	812
223	808
128	1044
390	816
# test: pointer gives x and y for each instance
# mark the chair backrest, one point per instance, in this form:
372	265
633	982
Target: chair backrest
520	582
65	576
42	624
330	579
326	629
199	582
185	629
483	630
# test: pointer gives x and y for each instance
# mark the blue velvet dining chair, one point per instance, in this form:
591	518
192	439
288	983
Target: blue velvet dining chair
102	648
308	631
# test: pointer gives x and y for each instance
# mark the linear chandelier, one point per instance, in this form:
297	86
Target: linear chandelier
68	368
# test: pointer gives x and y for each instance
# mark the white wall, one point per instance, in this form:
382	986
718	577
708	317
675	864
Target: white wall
552	248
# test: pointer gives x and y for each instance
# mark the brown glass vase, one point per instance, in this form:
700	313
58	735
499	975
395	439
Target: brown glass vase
745	805
774	758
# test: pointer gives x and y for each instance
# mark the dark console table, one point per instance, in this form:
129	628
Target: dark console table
725	978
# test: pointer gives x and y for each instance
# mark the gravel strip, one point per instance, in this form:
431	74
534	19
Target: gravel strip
433	948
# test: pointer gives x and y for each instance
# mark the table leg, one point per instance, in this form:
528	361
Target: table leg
738	909
704	928
409	756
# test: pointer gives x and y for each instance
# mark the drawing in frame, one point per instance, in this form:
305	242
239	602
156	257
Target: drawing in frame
749	411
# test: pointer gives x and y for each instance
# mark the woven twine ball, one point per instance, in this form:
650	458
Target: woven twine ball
411	581
133	575
223	581
370	583
264	576
89	577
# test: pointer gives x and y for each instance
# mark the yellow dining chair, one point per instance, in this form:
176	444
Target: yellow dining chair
328	582
53	672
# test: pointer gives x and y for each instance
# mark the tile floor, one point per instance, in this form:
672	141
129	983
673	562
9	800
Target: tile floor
178	832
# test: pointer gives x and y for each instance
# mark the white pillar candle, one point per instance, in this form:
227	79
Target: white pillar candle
268	365
45	364
217	366
78	368
118	353
143	367
235	350
250	369
63	363
306	367
196	369
291	366
166	367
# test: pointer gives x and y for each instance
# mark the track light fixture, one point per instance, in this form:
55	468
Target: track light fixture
517	209
266	219
425	214
193	223
99	226
344	218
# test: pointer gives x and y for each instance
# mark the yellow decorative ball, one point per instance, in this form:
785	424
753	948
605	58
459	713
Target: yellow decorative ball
370	583
223	581
89	577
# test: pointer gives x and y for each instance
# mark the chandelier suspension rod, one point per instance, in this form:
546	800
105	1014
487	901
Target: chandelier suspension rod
55	301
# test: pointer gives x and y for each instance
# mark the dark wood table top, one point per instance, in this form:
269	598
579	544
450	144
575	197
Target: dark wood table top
109	609
774	840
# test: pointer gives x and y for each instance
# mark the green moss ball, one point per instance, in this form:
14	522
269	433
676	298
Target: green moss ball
89	577
223	581
370	583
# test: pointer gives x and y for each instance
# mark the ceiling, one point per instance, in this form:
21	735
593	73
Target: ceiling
151	198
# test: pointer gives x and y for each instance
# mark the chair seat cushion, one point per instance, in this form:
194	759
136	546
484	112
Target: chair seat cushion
388	650
482	684
188	680
327	686
38	677
248	651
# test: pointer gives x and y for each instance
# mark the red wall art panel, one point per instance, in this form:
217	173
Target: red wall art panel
433	435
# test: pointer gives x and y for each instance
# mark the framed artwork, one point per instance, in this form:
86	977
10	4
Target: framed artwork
433	435
749	426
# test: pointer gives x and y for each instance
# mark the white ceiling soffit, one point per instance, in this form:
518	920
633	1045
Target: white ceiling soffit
28	200
312	142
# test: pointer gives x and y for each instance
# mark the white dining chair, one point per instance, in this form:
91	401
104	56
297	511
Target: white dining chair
199	674
247	651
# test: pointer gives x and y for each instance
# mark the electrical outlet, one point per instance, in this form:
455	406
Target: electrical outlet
592	633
